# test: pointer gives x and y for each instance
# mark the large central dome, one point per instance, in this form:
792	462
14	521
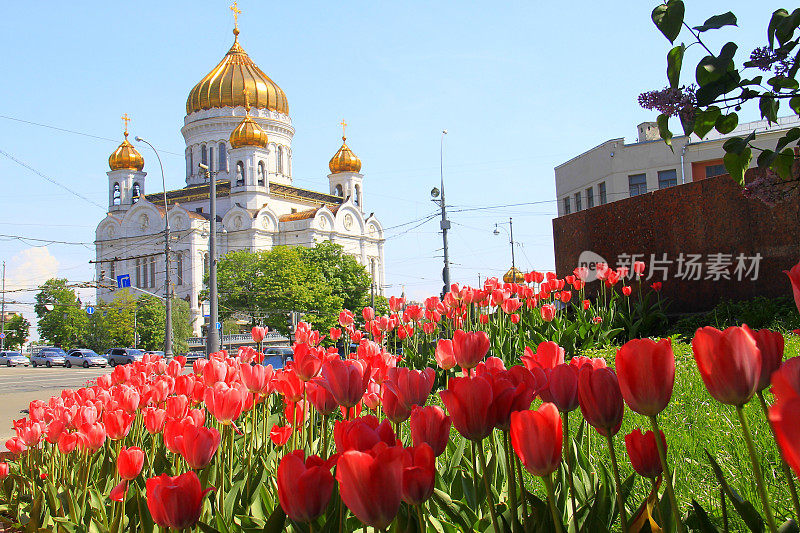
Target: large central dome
226	84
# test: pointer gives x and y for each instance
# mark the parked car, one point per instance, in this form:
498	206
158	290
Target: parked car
84	357
278	356
123	356
159	353
191	357
10	358
49	356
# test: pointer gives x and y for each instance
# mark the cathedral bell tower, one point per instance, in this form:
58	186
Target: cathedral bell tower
248	159
345	178
125	179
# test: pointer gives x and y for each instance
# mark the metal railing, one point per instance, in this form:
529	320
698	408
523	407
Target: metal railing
238	338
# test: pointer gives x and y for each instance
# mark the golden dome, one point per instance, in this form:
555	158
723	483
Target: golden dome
344	160
512	273
248	132
224	85
126	157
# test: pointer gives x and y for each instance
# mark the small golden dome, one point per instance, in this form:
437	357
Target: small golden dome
248	132
223	86
512	273
344	160
126	157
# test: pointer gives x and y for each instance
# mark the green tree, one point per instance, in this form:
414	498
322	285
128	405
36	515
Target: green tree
724	85
17	329
62	321
348	278
273	282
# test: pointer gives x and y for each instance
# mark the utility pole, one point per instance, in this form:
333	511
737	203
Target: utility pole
444	224
3	311
513	265
167	277
212	335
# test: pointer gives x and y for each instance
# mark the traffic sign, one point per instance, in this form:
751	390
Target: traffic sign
2	335
124	281
89	310
219	325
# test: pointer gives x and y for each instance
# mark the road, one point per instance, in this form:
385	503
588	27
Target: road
20	385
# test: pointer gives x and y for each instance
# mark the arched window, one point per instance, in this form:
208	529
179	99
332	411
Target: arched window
117	198
280	159
138	273
136	193
205	270
357	195
152	272
339	191
179	270
203	155
189	162
239	173
211	159
261	180
113	269
221	156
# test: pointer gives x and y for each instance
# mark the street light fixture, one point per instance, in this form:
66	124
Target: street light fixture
444	224
167	276
511	241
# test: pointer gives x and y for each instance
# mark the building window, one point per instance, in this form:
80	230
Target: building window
179	270
211	159
205	270
261	173
152	272
280	159
137	192
189	162
715	170
578	206
667	178
239	173
339	191
589	197
637	184
117	195
601	192
357	195
567	210
113	270
203	155
138	273
221	156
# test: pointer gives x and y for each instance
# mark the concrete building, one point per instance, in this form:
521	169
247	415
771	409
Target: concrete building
615	169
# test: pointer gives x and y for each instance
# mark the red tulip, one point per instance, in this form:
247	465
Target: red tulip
307	361
548	355
562	387
362	434
368	313
54	431
600	399
67	442
411	387
469	348
15	445
638	267
626	290
656	286
548	312
536	437
119	491
509	394
320	397
256	378
784	415
304	486
643	452
225	403
279	435
177	406
370	484
786	380
429	425
175	501
214	371
117	424
128	398
346	380
199	445
770	344
288	383
258	333
394	409
4	470
444	353
129	462
646	372
794	278
419	474
729	362
468	401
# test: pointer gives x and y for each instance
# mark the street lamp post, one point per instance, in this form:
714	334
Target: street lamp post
167	276
212	336
444	224
511	241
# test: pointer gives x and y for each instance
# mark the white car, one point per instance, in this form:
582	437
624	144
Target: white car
85	358
49	356
10	358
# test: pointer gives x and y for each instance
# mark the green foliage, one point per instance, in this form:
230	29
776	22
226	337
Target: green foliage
317	282
65	323
17	328
778	313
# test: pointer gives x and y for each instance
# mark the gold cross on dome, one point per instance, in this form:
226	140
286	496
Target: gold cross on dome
126	119
343	123
236	12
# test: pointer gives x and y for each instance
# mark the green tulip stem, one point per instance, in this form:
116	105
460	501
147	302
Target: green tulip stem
231	452
420	511
512	483
551	499
567	457
521	486
324	437
615	467
474	471
662	456
786	472
762	493
482	456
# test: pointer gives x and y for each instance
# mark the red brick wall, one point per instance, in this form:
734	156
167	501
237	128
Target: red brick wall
705	217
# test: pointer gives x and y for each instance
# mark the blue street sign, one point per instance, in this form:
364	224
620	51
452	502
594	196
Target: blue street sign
219	325
89	310
124	281
2	335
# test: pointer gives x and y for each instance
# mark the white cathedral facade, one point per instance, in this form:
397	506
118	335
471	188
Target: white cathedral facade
237	123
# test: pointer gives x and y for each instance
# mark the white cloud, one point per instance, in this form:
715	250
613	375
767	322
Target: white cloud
25	271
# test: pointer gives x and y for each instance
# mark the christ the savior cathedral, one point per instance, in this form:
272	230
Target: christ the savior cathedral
237	123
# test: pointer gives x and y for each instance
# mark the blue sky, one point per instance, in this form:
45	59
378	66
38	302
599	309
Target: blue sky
520	86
